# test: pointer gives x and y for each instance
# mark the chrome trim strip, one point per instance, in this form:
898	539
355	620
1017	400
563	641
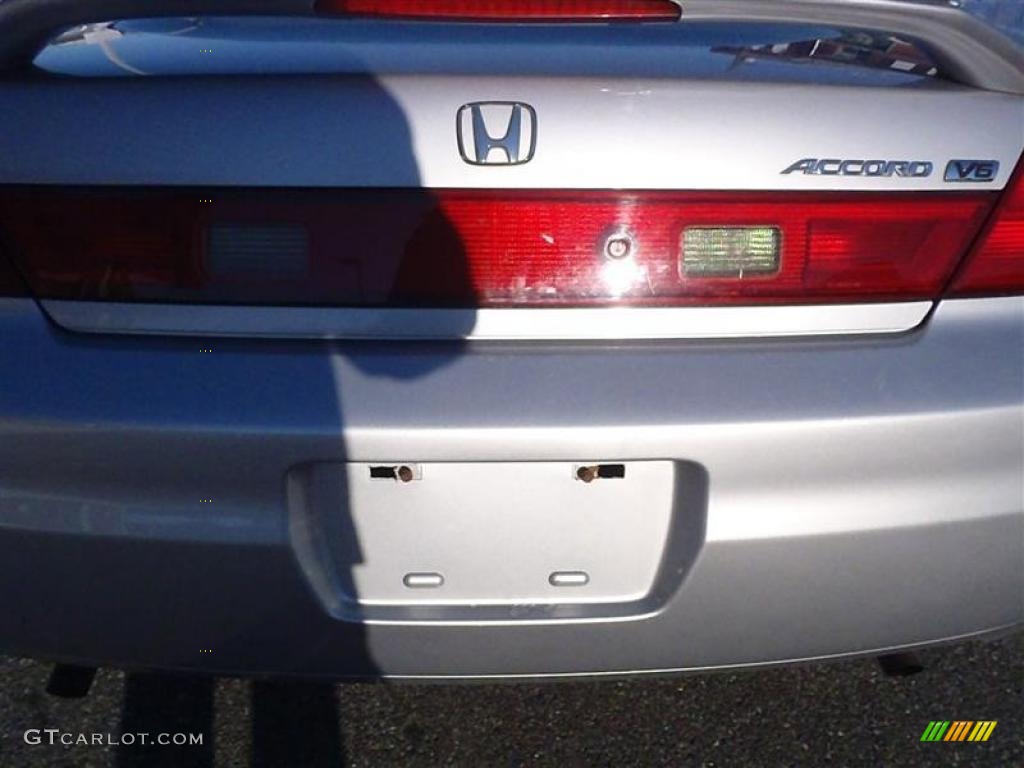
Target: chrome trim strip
487	324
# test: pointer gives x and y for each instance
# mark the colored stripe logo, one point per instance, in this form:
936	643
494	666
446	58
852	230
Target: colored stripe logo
958	730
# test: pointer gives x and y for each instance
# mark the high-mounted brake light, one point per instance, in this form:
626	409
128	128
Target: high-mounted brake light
489	248
996	265
506	10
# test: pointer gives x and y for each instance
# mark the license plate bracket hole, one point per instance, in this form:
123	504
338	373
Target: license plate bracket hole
588	473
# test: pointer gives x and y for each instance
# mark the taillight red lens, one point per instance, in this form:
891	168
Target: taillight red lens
996	265
488	248
506	10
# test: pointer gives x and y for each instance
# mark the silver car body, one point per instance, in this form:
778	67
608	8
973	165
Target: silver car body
801	482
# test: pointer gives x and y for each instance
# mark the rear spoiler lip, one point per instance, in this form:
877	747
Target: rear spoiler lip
967	49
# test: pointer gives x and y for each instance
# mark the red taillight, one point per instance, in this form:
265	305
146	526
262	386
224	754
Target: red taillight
996	265
506	10
480	248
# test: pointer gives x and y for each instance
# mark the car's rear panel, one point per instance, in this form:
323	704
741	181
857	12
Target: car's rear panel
292	373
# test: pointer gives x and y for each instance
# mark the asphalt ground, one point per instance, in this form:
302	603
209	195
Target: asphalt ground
836	714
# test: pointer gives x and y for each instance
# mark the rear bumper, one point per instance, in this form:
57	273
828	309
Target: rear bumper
862	494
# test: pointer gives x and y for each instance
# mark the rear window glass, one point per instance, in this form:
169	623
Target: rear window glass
261	45
1005	15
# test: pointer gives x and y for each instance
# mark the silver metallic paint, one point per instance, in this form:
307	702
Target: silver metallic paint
678	134
862	495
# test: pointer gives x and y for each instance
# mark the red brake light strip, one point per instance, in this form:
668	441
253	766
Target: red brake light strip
506	10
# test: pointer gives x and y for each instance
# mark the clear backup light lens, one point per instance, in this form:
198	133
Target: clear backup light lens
730	251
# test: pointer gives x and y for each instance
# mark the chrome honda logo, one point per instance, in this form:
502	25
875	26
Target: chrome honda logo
497	132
